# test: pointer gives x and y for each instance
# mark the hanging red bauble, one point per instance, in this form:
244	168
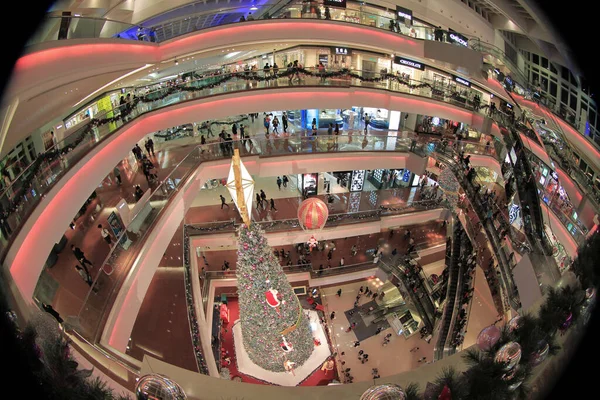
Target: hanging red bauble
313	213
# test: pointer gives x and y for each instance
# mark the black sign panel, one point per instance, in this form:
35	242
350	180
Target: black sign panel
409	63
454	37
344	51
403	13
462	81
335	3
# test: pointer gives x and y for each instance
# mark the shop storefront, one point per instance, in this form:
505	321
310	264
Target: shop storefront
379	179
371	64
308	184
407	69
98	108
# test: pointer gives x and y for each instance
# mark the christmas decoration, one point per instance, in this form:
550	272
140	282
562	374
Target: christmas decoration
384	392
540	355
269	308
289	366
509	355
488	337
514	323
241	187
446	393
450	186
285	346
312	214
312	242
156	386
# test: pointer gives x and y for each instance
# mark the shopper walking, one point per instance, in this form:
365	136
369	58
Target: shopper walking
80	256
223	202
284	122
339	293
105	234
272	204
332	315
276	125
263	195
367	122
85	275
258	201
279	182
285	181
117	173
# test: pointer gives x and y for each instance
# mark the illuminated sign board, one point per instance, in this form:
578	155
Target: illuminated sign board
335	3
409	63
342	51
403	13
458	38
462	81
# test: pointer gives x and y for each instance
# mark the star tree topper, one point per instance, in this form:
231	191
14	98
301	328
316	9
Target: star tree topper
241	187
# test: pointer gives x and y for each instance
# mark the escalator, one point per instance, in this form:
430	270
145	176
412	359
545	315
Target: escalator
453	270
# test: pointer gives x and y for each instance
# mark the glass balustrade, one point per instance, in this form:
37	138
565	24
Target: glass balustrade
23	194
79	27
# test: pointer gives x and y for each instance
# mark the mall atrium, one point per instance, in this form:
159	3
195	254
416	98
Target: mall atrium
263	199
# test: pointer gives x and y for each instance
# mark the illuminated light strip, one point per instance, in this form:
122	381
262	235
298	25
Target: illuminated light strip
111	83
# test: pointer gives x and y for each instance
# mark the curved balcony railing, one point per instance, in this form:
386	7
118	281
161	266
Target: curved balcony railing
78	27
19	199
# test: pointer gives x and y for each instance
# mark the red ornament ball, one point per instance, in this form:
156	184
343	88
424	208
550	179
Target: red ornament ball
313	213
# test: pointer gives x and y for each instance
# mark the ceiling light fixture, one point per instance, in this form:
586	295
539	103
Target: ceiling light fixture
253	8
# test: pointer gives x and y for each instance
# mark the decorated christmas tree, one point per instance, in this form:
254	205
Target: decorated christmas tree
275	329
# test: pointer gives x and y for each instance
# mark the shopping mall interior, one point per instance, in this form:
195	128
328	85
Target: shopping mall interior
266	199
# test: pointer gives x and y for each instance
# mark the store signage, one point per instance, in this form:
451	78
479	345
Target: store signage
462	81
409	63
342	51
554	175
357	181
403	13
458	38
335	3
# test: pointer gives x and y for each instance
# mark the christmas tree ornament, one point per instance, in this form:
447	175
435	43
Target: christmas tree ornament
285	345
313	214
384	392
514	323
538	356
312	242
488	337
289	366
156	386
509	355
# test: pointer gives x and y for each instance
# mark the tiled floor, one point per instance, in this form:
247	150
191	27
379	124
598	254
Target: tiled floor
392	359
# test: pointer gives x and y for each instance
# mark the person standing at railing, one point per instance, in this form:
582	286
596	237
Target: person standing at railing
284	122
327	13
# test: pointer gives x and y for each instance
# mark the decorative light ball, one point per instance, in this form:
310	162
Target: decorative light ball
313	213
590	292
384	392
509	354
541	354
156	386
488	337
514	323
